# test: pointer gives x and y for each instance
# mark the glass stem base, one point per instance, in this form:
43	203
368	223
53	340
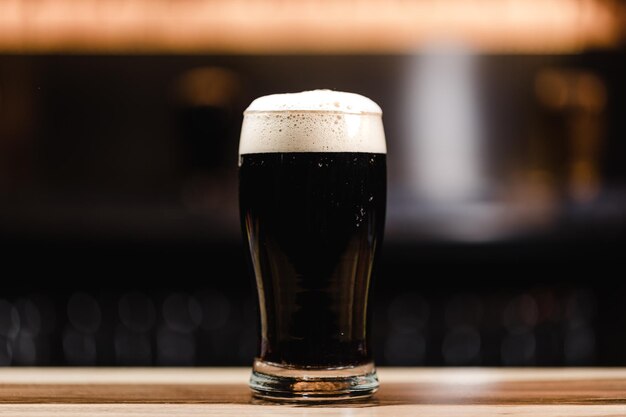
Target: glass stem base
288	383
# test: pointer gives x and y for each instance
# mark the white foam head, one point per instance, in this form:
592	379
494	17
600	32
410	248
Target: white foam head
312	121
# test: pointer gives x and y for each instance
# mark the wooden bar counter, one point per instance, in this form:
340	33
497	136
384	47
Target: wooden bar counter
420	392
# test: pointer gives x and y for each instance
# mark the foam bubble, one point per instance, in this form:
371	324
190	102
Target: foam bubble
313	121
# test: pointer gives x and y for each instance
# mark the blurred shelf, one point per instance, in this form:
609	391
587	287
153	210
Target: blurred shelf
102	223
497	222
408	224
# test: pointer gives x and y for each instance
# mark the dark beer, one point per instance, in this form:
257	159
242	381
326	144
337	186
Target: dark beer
313	222
312	190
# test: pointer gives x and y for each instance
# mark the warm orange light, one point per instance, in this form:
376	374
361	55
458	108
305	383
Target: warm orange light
306	26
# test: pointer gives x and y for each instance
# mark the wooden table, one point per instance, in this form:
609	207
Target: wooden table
223	392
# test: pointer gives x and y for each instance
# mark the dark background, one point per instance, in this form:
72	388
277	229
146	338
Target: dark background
119	233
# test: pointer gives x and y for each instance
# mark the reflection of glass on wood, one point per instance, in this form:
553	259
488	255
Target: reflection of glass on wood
568	145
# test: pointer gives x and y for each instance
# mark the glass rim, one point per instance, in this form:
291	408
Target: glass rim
353	113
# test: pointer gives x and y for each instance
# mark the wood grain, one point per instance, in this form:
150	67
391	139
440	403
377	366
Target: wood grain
208	392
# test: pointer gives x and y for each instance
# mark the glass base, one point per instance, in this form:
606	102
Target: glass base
271	381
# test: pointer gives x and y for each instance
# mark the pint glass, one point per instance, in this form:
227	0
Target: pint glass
312	194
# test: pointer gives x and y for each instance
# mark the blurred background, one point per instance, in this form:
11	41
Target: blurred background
119	124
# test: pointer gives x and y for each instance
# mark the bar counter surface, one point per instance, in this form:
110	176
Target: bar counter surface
421	392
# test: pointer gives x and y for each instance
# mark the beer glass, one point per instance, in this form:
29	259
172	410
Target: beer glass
312	195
